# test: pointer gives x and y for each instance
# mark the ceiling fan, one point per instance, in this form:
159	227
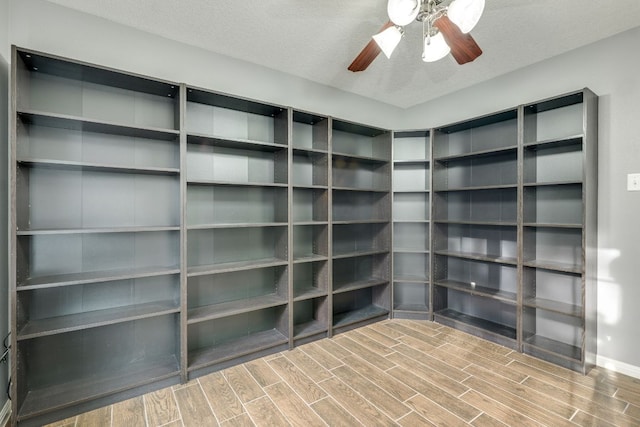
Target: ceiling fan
445	29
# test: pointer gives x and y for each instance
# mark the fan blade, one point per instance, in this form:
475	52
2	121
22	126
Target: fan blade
368	54
463	47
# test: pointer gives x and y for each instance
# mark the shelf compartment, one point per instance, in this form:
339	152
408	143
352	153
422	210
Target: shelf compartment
310	131
357	238
309	168
227	117
310	318
221	295
560	205
411	146
351	173
94	93
555	118
310	279
554	248
488	206
554	162
410	299
95	363
477	277
411	177
553	291
360	206
360	141
411	237
214	163
411	207
221	249
499	169
309	205
491	133
411	266
220	340
52	198
359	306
55	310
228	204
487	318
68	259
552	333
480	242
359	272
310	242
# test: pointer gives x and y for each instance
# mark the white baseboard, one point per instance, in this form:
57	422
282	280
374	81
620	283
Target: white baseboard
5	413
617	366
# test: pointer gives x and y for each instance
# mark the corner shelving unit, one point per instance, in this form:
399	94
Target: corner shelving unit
237	229
475	262
96	196
361	227
559	229
411	224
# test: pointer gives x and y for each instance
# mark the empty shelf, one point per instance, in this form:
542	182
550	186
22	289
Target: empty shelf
359	315
232	308
361	159
417	308
556	306
73	165
481	153
236	225
476	322
246	144
308	293
236	183
360	253
478	290
307	329
136	229
359	284
557	266
309	258
552	346
556	142
226	267
480	257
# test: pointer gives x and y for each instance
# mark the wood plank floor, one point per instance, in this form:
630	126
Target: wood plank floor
396	372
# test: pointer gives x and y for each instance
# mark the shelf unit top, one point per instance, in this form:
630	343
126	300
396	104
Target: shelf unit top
489	119
566	100
358	129
215	99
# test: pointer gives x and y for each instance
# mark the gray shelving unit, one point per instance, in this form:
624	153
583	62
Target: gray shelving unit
95	288
475	216
360	224
411	224
559	237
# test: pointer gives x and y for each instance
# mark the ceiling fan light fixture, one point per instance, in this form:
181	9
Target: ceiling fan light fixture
465	13
389	39
403	12
435	48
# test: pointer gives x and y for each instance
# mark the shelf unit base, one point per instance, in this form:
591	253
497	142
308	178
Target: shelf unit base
491	331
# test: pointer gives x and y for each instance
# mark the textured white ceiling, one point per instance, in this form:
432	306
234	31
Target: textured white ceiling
317	40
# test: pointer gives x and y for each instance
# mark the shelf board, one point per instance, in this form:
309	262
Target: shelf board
309	151
227	267
362	159
480	257
483	153
237	225
253	343
492	223
309	187
298	259
410	278
555	142
83	278
477	323
411	161
361	221
412	308
244	144
550	184
308	329
306	223
551	225
52	398
358	315
554	266
235	183
356	254
231	308
359	284
365	190
411	221
64	121
547	345
302	294
135	229
478	188
410	251
478	290
411	190
93	319
555	306
97	167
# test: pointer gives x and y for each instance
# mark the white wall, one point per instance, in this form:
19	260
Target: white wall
609	68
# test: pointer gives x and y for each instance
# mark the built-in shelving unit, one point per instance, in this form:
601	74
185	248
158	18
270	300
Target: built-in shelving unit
559	229
361	224
411	224
475	215
96	214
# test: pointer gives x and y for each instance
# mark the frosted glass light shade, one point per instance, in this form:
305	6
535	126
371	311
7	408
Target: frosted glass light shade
403	12
435	48
465	13
388	40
